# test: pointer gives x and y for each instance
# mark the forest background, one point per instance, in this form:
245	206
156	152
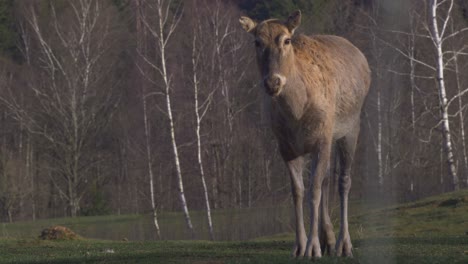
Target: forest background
134	106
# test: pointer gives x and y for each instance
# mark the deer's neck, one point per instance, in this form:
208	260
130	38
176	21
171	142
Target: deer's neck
293	98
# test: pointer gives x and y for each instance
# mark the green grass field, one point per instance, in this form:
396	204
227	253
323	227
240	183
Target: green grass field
433	230
380	250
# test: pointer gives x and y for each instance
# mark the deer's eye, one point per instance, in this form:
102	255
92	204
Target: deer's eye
257	43
287	41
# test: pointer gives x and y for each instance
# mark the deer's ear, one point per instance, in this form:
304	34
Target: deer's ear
293	21
247	23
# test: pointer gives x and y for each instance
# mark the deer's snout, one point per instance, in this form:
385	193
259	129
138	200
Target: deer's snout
274	83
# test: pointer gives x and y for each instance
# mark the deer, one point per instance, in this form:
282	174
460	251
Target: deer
316	87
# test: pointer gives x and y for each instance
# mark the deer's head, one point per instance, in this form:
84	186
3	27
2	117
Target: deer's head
275	53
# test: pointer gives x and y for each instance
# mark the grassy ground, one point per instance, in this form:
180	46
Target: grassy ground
381	250
230	225
442	215
433	230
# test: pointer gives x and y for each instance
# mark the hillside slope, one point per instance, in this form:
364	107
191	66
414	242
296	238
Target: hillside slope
441	215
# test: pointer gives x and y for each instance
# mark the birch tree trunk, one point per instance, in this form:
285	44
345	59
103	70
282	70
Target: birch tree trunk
30	172
73	100
141	45
162	33
443	102
150	167
461	121
26	51
377	54
379	139
413	111
180	182
199	116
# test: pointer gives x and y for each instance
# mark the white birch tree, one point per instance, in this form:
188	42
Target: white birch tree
142	49
72	102
201	107
438	34
226	61
461	119
461	105
161	23
200	112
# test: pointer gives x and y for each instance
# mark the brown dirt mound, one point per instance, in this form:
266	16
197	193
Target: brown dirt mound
58	233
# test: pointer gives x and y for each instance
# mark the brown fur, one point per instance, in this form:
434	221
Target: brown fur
334	79
317	86
335	84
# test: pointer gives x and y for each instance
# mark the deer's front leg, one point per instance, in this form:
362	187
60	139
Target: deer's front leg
315	193
295	167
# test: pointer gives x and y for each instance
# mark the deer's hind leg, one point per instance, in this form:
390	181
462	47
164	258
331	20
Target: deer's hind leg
326	235
315	195
346	148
